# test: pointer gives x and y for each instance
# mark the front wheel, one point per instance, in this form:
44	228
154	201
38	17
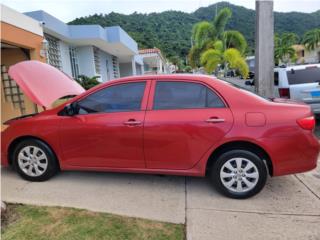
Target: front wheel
239	174
34	160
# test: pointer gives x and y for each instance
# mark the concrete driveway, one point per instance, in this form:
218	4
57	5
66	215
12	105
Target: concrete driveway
288	208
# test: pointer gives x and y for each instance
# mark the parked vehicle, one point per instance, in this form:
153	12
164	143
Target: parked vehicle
298	82
191	125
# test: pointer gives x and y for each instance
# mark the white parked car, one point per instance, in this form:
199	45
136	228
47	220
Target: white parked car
300	83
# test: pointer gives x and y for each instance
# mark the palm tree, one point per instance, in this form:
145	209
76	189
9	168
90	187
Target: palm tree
176	61
283	50
213	46
311	39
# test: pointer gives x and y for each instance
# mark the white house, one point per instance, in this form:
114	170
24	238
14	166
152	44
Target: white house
89	50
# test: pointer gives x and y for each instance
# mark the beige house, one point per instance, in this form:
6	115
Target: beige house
304	56
21	39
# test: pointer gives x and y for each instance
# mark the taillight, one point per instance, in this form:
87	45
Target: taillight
284	92
307	123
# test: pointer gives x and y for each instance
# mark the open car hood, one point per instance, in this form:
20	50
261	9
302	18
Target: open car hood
42	83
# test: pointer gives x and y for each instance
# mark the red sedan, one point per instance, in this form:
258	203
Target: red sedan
165	124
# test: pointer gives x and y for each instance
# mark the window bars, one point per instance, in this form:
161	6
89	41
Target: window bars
53	56
96	59
74	62
115	66
12	91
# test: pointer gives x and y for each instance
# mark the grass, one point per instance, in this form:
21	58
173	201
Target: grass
57	223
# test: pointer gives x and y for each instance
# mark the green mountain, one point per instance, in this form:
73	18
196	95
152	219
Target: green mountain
171	30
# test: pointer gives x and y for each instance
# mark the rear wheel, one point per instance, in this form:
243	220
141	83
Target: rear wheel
34	160
239	174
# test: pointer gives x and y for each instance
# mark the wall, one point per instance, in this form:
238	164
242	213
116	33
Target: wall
10	56
65	58
16	36
312	56
86	61
21	21
21	38
138	69
117	34
125	69
105	66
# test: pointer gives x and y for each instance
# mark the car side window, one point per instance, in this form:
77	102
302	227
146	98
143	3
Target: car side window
185	95
118	98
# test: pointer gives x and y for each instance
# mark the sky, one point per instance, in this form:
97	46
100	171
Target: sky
67	10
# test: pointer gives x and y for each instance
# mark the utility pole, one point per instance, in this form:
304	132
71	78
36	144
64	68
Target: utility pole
264	50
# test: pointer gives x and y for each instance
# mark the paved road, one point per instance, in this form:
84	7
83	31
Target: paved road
288	208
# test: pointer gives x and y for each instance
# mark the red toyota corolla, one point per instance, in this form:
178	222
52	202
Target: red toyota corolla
164	124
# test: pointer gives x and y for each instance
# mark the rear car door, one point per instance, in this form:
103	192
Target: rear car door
108	131
183	121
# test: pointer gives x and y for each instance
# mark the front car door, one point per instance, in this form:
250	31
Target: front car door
184	120
108	130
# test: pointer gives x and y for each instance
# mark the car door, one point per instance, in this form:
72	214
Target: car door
184	120
108	130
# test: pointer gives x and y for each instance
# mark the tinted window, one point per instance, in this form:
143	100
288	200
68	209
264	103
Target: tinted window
184	95
276	78
118	98
308	75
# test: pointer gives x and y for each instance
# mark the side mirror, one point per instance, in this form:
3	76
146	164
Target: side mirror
71	109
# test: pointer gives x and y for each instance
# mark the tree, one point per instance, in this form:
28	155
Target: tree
170	31
187	69
176	61
213	46
283	50
311	39
87	82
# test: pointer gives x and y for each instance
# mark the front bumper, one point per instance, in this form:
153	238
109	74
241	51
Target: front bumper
4	149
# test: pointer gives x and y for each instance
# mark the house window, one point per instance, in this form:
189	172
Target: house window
115	66
96	59
12	91
302	53
53	56
74	62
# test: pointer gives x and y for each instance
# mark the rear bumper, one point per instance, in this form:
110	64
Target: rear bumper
315	108
294	154
314	104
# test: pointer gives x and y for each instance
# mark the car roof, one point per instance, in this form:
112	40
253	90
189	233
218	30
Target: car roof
168	76
298	67
195	77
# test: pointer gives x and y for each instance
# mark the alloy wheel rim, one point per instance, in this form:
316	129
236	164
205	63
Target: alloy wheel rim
239	175
32	161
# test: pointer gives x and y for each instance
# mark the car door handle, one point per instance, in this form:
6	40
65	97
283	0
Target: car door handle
132	122
214	120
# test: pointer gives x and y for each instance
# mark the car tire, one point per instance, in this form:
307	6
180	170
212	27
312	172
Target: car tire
34	160
239	174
